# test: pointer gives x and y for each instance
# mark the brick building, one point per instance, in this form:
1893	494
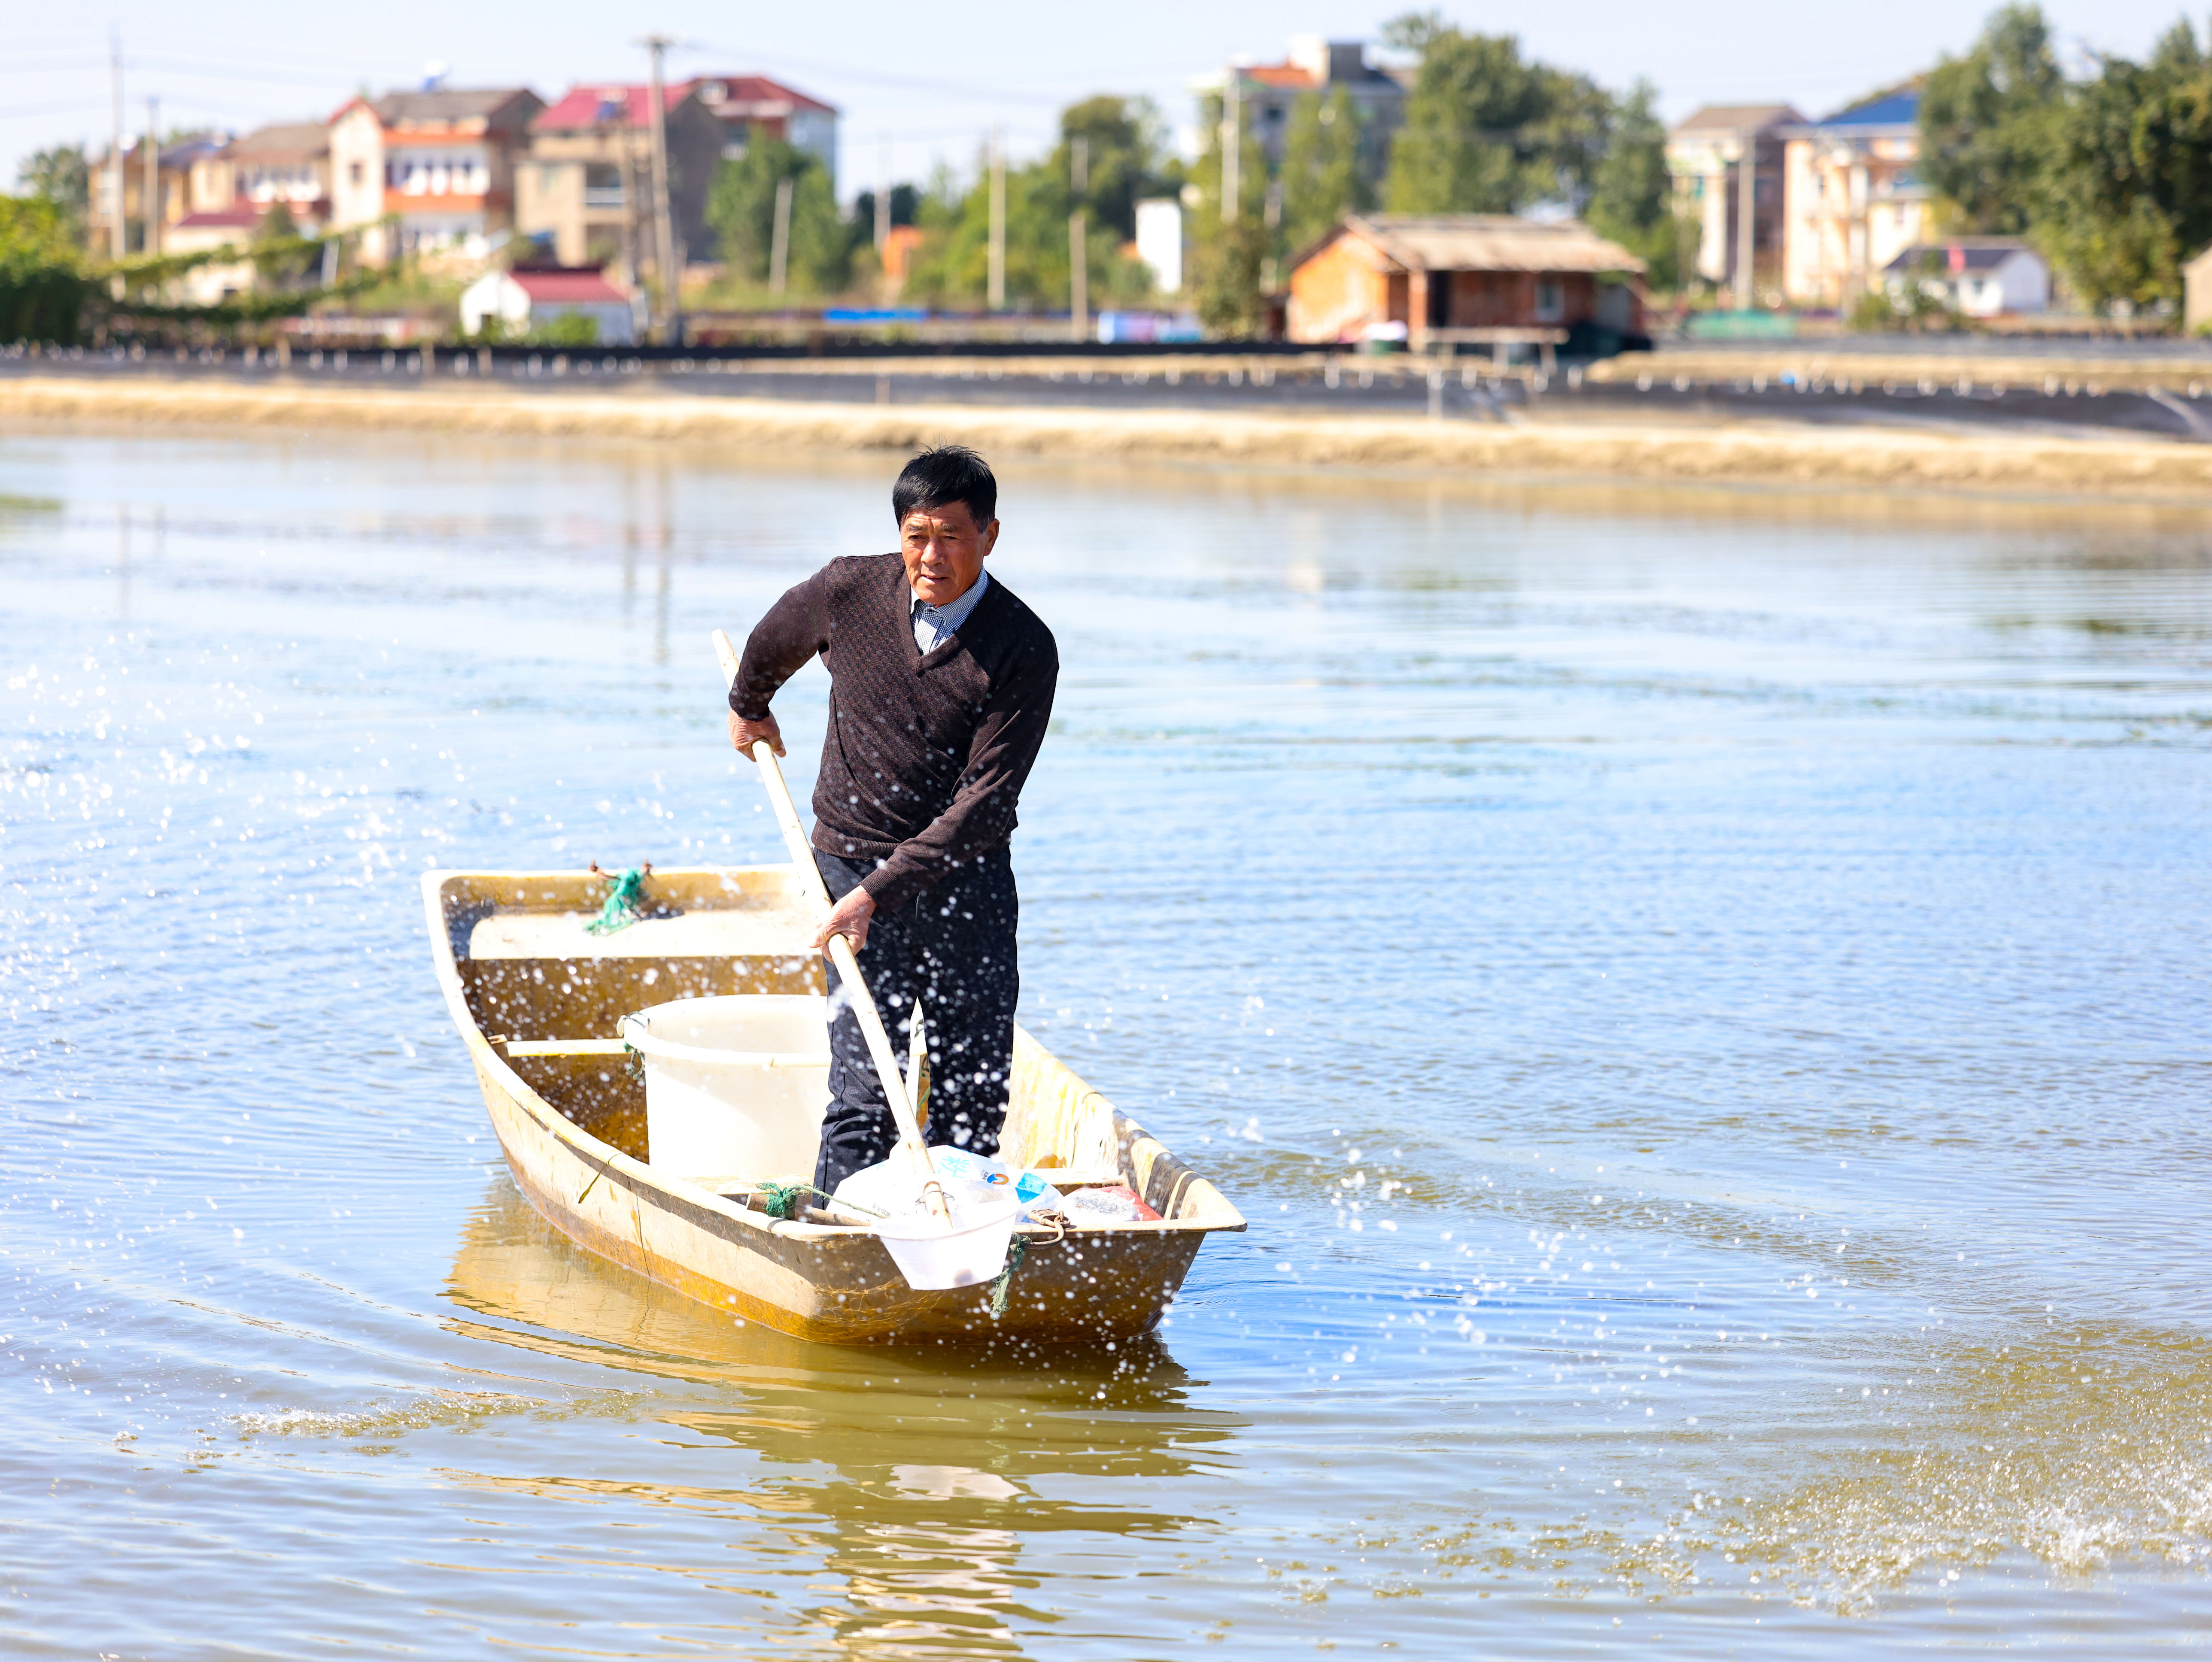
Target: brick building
1442	279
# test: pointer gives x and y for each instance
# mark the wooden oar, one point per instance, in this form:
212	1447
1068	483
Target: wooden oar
841	954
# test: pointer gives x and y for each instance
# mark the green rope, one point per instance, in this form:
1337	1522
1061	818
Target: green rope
1015	1251
781	1199
621	908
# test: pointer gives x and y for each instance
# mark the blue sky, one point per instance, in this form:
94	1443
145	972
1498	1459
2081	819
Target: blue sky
929	81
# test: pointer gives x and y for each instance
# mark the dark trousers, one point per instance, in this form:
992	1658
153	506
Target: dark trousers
952	948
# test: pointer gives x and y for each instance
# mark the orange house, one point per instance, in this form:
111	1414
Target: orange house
1448	279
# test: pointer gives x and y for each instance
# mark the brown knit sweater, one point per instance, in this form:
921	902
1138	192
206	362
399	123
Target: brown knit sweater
926	751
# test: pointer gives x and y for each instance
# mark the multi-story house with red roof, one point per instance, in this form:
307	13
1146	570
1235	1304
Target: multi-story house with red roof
586	186
1267	96
429	172
750	104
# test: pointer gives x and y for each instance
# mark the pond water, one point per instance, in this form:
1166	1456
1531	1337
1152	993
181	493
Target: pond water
1702	996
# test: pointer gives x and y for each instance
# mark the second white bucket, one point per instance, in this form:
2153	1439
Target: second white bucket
734	1087
973	1250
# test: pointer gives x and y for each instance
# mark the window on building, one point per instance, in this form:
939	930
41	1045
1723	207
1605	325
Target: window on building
1551	299
355	170
603	185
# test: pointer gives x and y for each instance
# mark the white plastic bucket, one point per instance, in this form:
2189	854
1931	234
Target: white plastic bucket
734	1088
974	1250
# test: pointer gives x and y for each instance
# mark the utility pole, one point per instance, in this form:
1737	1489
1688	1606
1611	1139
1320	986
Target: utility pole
1079	264
1746	209
779	244
882	193
1273	221
663	232
1232	146
118	243
633	236
149	193
998	255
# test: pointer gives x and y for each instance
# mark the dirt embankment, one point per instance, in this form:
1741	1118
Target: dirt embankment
1811	362
1772	453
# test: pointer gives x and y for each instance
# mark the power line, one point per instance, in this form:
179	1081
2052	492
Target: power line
304	84
23	63
185	45
20	65
912	83
25	113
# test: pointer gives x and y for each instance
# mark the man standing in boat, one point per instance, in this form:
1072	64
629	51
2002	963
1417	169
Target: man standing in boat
940	687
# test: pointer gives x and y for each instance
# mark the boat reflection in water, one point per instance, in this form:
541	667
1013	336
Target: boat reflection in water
912	1479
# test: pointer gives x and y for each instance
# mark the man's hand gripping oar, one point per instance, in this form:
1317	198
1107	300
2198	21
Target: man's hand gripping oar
839	950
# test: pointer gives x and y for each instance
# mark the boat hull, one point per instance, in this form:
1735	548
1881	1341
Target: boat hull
812	1280
843	1288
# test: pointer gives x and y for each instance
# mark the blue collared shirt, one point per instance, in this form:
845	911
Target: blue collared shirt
935	625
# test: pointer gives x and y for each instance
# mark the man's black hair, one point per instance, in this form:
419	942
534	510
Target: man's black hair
938	478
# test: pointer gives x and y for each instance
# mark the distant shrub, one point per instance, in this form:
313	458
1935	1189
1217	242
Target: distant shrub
1871	314
45	291
569	329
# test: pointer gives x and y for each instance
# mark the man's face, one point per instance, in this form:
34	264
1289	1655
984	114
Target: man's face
944	550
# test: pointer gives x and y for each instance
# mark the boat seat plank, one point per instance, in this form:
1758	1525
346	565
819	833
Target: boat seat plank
1064	1178
760	930
550	999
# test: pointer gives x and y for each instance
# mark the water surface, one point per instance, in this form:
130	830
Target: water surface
1702	996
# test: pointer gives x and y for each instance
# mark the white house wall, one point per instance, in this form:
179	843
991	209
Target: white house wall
1893	226
1839	223
1702	169
815	131
358	175
1159	242
2026	281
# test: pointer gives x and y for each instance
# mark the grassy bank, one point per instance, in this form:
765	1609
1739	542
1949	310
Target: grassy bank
1827	458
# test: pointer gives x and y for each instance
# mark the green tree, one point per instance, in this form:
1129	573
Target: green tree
59	174
1987	125
1224	253
282	259
1321	181
1411	31
905	199
1123	145
1488	131
1122	164
2127	191
1631	196
741	209
951	267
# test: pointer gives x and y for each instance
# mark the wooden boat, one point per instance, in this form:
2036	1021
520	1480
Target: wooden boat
538	1000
